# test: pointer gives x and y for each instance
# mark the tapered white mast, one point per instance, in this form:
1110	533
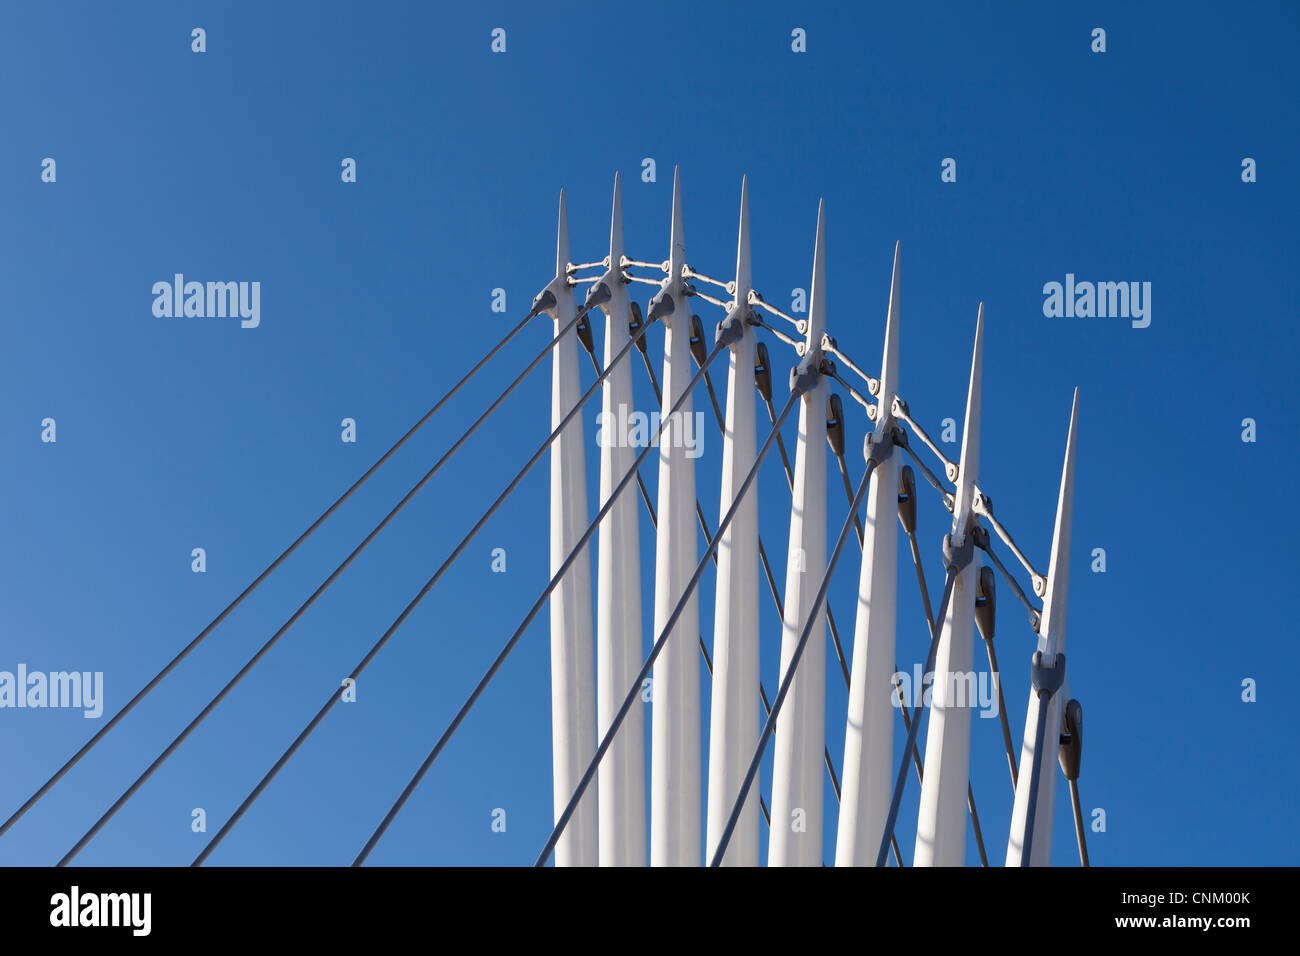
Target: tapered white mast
621	781
869	730
733	722
675	786
573	679
796	837
941	821
1050	658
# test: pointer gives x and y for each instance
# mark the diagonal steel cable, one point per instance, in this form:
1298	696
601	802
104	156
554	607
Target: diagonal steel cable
302	608
532	613
930	624
185	651
762	552
901	780
407	611
788	679
667	629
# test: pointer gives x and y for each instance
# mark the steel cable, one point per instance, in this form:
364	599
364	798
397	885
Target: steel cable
184	652
302	608
406	612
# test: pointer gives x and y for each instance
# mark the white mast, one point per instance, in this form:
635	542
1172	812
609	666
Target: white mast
733	723
573	684
941	822
796	837
1051	647
869	730
675	787
621	781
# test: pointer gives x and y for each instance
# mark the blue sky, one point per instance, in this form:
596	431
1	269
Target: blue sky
181	433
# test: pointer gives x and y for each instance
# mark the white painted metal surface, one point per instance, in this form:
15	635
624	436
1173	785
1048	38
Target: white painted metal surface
621	780
734	714
868	774
588	689
573	682
1051	642
675	785
797	782
941	820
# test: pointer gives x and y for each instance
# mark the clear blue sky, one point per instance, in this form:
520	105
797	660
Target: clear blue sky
183	433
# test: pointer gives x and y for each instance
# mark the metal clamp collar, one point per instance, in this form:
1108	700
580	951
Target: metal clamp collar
732	329
597	295
1047	680
878	445
544	301
806	375
958	554
662	304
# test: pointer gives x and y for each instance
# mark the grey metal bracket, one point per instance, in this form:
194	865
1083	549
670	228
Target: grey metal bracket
986	604
583	330
1071	739
957	555
1047	680
878	445
596	295
662	304
907	499
542	302
763	371
835	424
806	374
732	329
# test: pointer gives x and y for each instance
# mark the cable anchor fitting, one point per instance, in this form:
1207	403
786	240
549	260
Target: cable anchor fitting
698	351
958	551
732	329
986	603
763	371
878	445
806	375
835	424
544	301
583	331
1071	751
598	294
1045	680
907	499
662	304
